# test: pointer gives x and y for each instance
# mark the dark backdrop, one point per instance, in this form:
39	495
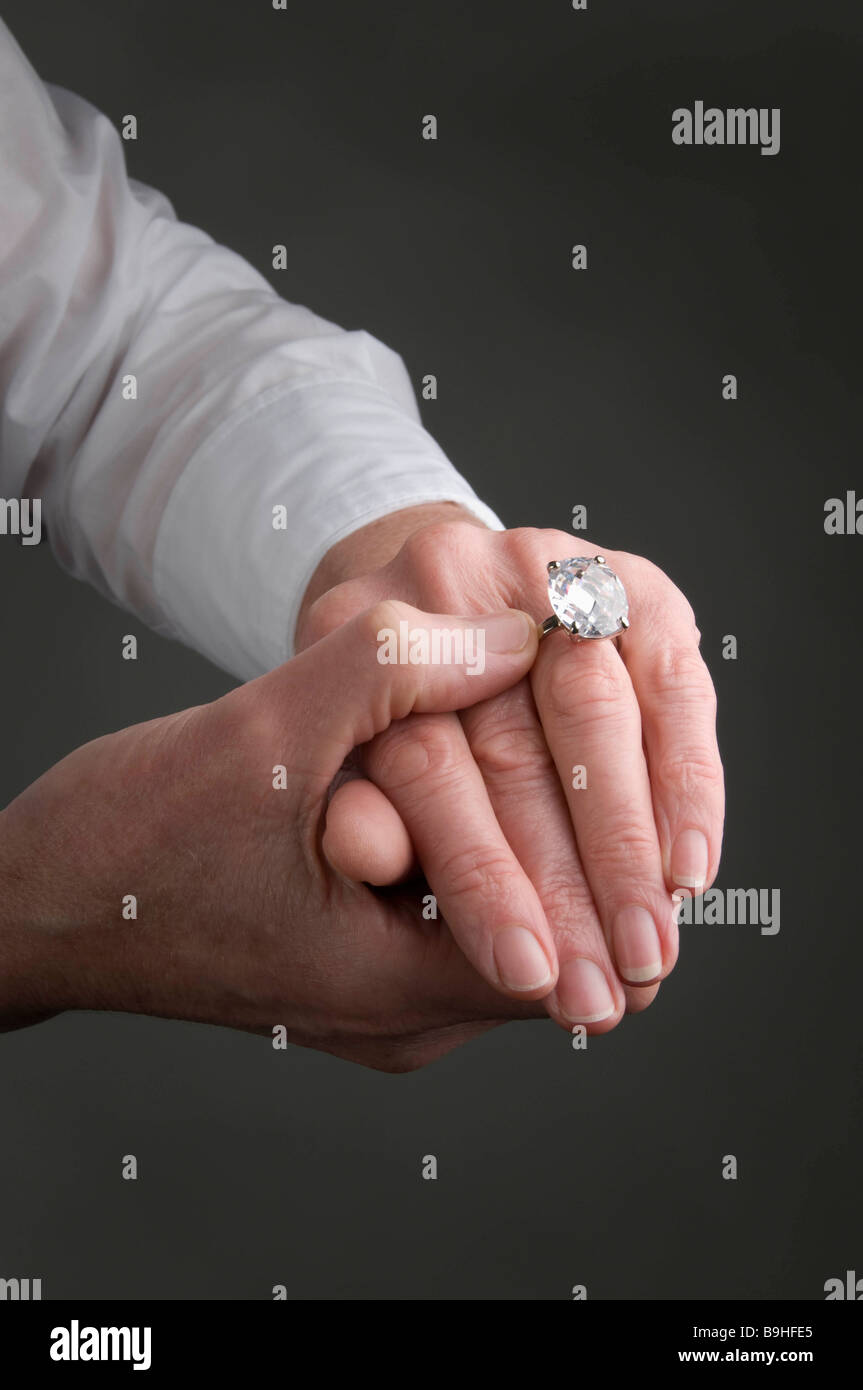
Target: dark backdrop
556	1167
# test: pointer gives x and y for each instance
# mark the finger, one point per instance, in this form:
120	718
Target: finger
510	750
678	710
393	660
367	841
591	720
365	838
408	981
424	767
425	971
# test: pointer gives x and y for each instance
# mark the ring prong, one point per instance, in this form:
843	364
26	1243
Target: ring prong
553	565
599	559
624	623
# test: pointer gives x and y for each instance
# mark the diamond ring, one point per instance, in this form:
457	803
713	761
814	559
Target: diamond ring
588	599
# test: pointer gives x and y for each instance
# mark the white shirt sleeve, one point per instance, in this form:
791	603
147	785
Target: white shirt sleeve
245	402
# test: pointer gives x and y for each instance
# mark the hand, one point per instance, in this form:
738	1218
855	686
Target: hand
240	920
640	719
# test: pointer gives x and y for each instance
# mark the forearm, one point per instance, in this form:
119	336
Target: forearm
36	966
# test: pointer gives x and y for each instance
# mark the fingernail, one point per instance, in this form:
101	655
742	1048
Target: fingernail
636	945
508	632
583	993
521	962
689	858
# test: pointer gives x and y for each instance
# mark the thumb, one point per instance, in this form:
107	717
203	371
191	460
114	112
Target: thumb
394	660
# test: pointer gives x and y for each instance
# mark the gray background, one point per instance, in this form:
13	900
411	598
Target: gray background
556	1167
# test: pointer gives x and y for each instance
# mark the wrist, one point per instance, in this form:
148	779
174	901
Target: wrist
40	964
371	547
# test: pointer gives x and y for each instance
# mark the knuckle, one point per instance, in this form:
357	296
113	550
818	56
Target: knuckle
623	849
680	672
685	613
546	543
690	770
441	537
588	688
511	750
568	905
480	869
660	595
387	613
524	545
689	613
440	556
326	614
419	749
530	548
648	575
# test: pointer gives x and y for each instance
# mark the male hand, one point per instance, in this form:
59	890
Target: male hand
239	918
640	718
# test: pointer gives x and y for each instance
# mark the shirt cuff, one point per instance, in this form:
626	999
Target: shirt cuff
229	578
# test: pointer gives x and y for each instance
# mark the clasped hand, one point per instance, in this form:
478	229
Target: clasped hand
251	877
554	820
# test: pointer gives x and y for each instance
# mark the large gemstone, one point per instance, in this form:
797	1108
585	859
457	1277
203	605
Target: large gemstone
588	598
